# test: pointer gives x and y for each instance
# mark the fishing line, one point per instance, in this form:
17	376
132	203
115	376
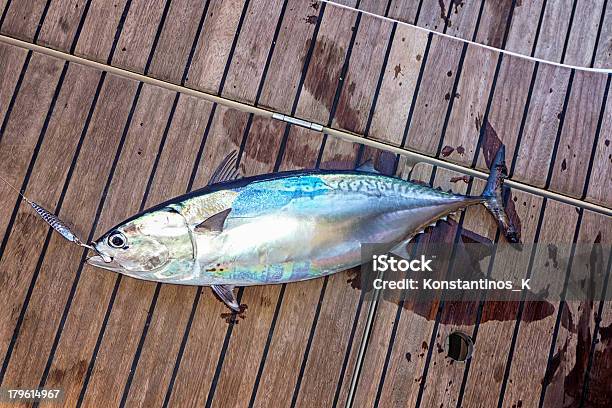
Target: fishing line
470	42
53	220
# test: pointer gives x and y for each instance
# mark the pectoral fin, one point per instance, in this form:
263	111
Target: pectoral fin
226	293
213	223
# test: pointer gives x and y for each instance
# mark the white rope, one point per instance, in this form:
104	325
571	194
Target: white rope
488	47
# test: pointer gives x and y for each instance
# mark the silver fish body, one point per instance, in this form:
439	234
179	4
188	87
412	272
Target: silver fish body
274	228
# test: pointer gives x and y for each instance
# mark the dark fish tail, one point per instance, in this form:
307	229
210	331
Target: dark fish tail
492	196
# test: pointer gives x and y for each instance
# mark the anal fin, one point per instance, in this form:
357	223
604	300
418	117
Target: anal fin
226	294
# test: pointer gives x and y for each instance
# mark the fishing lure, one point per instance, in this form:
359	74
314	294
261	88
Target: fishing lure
51	219
281	227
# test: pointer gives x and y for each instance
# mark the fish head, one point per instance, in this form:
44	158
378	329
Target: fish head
146	244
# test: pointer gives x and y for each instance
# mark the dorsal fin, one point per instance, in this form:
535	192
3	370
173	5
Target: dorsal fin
367	167
213	223
227	169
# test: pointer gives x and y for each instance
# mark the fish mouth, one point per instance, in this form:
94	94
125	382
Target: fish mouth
100	262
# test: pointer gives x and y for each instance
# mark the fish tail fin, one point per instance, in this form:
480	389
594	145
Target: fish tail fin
492	196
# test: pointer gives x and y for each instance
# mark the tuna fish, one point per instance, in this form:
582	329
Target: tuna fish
281	227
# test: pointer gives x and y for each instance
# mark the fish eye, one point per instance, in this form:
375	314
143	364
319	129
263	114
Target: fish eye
117	240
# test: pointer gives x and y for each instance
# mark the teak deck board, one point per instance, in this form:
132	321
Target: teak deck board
603	54
549	21
80	203
59	146
162	344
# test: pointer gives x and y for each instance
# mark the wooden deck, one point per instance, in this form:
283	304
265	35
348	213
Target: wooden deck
98	147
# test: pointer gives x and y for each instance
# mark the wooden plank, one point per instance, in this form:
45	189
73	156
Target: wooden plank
252	49
601	174
61	23
462	19
404	10
2	7
578	133
138	34
49	173
98	33
442	385
471	98
565	380
541	125
431	104
262	299
214	45
326	64
599	384
398	85
11	64
153	374
583	34
508	104
526	372
198	364
522	34
67	367
82	196
22	19
488	362
554	29
24	126
249	337
149	118
363	73
292	46
433	14
603	55
176	40
494	21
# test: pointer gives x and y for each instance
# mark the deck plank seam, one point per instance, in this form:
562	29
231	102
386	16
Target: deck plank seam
553	342
602	112
4	12
91	365
521	131
575	240
598	35
336	99
13	217
594	340
519	314
538	230
569	30
364	340
143	204
142	339
277	165
57	338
